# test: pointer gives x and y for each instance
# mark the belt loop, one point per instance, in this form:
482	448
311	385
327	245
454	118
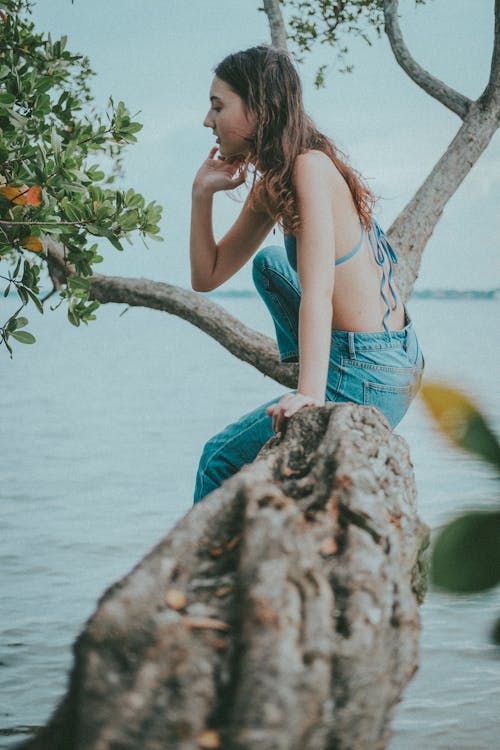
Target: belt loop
352	350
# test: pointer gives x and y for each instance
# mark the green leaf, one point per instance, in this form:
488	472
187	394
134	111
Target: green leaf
112	238
23	337
466	555
23	294
96	174
134	200
18	266
73	210
44	83
73	318
21	322
77	283
35	300
6	99
5	341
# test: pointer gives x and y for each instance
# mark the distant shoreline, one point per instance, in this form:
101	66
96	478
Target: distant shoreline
490	294
417	294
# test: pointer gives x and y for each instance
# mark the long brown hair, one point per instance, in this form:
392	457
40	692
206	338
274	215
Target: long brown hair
267	81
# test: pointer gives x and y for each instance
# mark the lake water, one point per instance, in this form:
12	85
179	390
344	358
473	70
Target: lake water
100	434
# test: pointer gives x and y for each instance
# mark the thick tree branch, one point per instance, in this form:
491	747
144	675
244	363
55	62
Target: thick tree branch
279	613
415	224
492	91
452	99
248	345
276	23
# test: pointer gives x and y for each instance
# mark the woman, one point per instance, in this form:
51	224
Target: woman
330	290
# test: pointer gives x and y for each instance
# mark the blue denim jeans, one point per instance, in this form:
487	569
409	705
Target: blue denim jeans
380	369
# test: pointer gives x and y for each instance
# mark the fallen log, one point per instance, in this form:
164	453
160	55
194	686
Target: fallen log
280	613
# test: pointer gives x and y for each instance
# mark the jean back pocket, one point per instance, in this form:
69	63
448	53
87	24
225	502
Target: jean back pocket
392	400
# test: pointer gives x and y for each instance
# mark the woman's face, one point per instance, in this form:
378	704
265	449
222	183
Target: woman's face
229	121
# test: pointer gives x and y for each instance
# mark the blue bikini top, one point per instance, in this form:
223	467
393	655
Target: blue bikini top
383	253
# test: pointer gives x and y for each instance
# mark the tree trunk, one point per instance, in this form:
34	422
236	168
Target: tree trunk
276	24
280	613
414	226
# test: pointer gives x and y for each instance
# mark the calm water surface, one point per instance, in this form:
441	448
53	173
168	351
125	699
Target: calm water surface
100	433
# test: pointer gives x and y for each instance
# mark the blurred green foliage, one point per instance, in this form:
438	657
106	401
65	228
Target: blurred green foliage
59	158
466	553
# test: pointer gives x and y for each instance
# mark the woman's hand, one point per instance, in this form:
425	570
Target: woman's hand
287	406
219	174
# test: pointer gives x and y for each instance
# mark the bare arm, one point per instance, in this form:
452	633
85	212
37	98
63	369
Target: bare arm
316	267
213	262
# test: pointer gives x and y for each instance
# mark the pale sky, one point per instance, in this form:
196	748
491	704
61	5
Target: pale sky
158	57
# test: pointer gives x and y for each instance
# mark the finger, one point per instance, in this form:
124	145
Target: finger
237	181
294	408
213	151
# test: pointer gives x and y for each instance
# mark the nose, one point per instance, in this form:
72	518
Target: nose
208	122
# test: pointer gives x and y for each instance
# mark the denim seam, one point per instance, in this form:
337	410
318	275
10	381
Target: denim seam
231	440
370	367
283	309
333	367
375	347
385	388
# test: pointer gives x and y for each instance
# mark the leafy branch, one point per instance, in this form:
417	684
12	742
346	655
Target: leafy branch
52	185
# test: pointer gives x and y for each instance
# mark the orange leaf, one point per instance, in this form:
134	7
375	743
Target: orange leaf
34	196
12	194
22	196
32	243
3	16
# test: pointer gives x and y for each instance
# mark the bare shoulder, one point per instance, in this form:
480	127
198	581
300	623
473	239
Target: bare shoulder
312	167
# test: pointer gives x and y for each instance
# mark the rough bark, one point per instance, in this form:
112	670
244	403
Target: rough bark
414	226
279	614
276	23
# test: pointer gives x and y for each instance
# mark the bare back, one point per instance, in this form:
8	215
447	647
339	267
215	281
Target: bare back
357	301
